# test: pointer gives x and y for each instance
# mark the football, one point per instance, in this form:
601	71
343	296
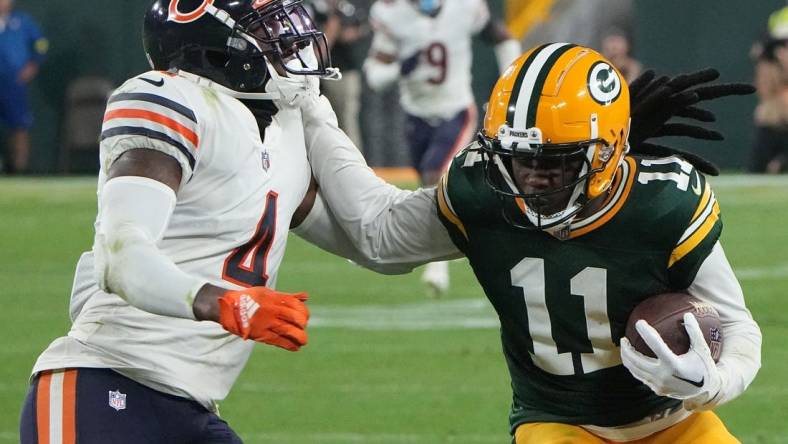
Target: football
665	312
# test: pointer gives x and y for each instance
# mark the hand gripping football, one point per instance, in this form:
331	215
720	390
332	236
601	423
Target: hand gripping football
665	313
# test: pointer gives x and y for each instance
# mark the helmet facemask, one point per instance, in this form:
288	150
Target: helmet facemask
238	47
287	37
547	180
554	135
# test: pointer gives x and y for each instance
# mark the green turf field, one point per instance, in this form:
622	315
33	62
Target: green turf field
384	364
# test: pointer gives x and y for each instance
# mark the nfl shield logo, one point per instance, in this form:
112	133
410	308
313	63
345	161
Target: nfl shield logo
117	400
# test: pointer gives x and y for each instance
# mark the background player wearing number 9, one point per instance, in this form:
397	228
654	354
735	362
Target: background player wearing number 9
426	46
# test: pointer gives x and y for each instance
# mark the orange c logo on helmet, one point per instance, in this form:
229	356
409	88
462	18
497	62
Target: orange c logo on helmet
187	17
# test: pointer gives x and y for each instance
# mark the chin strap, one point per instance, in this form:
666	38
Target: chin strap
332	74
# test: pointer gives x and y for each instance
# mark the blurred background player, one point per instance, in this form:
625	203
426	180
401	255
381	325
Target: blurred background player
196	198
346	29
566	232
425	46
769	152
617	47
22	49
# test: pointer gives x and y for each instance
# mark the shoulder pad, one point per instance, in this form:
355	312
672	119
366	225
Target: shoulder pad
681	200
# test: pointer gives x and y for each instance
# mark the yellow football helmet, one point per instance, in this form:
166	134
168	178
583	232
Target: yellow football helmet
557	101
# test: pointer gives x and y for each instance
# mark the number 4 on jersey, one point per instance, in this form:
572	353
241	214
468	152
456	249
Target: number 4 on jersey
246	265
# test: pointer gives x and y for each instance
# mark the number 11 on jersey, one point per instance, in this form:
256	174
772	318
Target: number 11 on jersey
591	284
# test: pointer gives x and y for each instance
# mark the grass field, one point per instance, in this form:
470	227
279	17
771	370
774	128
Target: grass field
384	364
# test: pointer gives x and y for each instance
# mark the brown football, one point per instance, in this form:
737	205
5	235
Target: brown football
665	312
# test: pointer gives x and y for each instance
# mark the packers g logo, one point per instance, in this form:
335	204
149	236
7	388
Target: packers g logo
177	16
604	83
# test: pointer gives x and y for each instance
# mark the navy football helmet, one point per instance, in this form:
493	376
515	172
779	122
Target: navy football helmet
235	42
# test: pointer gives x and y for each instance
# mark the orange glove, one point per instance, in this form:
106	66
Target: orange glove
265	315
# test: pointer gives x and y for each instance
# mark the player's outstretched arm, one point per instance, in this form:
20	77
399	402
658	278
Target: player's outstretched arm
391	230
136	203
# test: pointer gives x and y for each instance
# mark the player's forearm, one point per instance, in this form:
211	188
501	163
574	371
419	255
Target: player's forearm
507	52
386	225
380	75
134	213
392	253
740	359
206	303
739	362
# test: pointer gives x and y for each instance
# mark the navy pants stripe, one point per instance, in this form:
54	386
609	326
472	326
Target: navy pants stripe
98	406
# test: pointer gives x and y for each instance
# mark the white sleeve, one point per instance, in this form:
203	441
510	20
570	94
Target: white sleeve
322	229
480	17
386	225
740	359
383	39
133	214
380	75
141	115
507	52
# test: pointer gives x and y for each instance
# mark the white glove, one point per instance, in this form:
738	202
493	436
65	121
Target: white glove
692	377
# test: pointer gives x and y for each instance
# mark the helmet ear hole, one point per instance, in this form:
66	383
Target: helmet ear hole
217	59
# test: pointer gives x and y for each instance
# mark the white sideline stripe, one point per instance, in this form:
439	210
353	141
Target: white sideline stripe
777	272
454	314
748	180
451	314
56	408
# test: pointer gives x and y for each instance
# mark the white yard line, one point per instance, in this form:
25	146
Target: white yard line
779	271
748	181
430	315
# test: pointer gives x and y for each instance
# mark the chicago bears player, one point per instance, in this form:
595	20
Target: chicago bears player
426	46
194	210
566	231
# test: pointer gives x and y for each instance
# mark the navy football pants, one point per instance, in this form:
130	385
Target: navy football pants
434	143
92	406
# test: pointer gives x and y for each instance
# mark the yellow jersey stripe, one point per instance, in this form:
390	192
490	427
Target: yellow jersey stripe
444	204
689	244
704	200
698	221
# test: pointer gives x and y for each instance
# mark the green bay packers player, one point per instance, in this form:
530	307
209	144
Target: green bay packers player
566	232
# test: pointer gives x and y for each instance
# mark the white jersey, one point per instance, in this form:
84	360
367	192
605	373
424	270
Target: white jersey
229	227
440	86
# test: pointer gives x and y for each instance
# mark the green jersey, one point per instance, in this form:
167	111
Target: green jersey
563	305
